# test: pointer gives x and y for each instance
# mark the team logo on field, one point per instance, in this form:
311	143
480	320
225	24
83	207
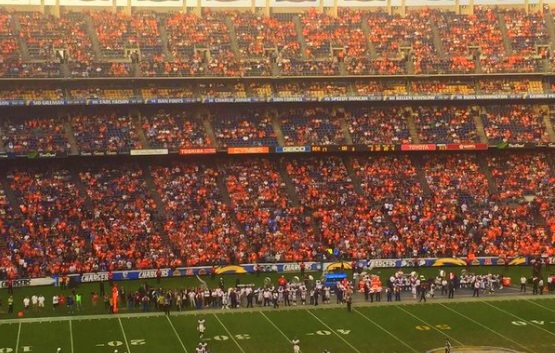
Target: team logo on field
474	349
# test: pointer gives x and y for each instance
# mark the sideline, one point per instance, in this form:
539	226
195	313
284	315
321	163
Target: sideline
460	299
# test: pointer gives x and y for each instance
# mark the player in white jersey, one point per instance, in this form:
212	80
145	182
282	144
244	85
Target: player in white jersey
201	328
199	349
296	348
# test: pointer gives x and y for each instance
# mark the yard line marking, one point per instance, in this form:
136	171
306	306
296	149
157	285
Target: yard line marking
71	335
521	319
229	333
17	341
175	331
432	326
541	306
124	335
385	330
487	328
332	330
275	326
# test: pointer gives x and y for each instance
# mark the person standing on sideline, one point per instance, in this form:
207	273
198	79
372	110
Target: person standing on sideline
447	346
10	304
349	303
451	288
523	284
422	290
476	285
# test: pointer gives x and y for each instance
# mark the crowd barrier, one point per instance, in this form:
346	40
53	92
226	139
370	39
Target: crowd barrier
280	267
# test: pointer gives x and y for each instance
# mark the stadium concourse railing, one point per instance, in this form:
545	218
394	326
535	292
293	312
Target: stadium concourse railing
280	267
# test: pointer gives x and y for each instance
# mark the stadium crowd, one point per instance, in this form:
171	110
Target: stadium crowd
236	44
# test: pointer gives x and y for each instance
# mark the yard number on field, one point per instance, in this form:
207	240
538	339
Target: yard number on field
428	328
534	322
136	342
328	333
241	336
11	350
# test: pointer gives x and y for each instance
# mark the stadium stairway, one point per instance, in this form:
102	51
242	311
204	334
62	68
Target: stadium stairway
162	214
478	64
74	149
476	113
64	69
136	118
276	126
550	25
342	69
418	163
366	31
484	169
232	37
294	197
409	115
14	201
549	126
23	49
503	27
74	168
344	125
165	39
204	116
437	40
300	36
91	31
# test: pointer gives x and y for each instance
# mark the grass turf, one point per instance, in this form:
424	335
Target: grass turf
523	325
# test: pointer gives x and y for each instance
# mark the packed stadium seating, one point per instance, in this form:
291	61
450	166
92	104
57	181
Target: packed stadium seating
23	136
243	128
173	210
515	123
310	126
104	132
445	125
377	125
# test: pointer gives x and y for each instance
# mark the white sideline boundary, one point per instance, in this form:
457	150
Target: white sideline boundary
467	299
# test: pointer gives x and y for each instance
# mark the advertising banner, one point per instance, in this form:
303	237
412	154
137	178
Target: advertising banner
288	267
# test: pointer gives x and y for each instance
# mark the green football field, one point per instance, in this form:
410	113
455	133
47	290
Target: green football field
508	323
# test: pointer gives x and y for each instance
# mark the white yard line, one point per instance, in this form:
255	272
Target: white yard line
430	325
175	331
229	333
70	335
275	326
487	328
521	319
17	341
541	306
386	331
124	336
335	332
